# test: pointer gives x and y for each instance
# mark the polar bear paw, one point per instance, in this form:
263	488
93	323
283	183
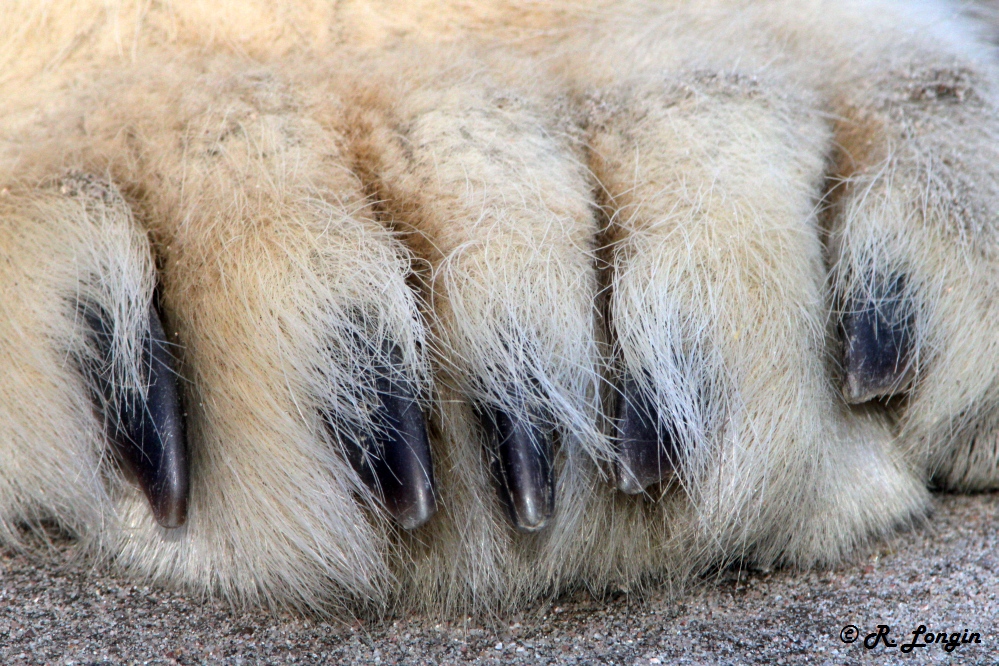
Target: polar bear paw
453	324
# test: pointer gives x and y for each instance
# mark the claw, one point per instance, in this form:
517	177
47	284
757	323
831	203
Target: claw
405	469
877	343
149	434
395	460
523	461
646	453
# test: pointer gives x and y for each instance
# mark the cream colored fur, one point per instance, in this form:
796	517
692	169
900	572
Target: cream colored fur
518	195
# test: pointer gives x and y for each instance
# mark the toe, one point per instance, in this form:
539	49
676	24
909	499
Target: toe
498	208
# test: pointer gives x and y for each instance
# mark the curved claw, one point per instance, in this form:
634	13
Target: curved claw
395	459
647	453
877	343
404	470
522	454
148	433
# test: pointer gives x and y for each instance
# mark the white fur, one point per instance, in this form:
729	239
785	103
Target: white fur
520	196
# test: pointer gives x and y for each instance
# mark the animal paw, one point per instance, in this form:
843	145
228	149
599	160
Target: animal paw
449	319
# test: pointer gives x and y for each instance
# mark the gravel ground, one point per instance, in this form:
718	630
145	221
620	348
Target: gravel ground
941	576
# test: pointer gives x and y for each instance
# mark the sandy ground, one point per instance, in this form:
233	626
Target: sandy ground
942	576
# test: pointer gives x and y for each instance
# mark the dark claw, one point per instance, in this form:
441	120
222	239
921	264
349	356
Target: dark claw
396	459
647	452
522	455
404	470
149	435
877	343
